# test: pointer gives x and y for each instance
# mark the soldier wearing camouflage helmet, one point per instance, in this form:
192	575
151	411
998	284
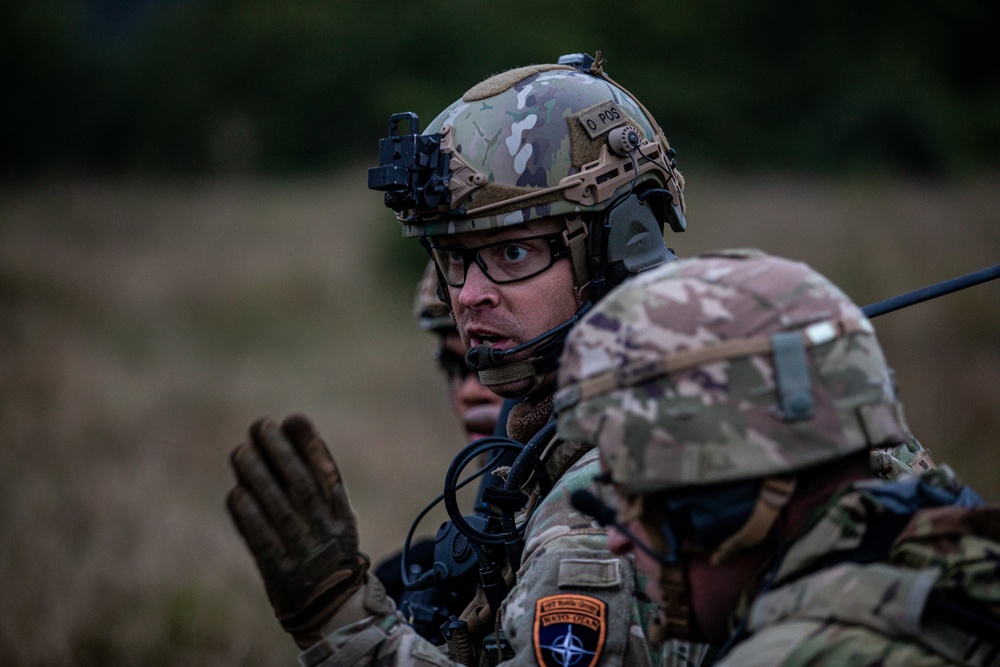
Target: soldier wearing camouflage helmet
561	160
734	399
535	193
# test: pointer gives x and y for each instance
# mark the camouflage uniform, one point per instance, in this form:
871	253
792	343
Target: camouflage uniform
738	367
565	552
906	458
565	555
915	603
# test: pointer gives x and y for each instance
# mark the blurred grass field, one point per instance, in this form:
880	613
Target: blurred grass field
145	324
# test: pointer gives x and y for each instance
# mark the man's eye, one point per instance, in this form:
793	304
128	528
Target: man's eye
453	257
513	253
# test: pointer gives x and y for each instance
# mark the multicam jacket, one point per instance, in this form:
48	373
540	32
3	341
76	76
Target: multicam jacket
574	602
566	554
890	573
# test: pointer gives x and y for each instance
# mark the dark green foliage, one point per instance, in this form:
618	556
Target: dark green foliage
247	85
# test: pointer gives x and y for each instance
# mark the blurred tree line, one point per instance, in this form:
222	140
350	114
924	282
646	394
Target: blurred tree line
196	86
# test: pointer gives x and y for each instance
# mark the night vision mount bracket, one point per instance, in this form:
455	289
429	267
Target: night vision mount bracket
421	172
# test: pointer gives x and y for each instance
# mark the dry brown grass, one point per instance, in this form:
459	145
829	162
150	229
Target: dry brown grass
144	325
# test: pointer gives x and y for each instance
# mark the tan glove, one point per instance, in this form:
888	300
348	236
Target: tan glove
291	507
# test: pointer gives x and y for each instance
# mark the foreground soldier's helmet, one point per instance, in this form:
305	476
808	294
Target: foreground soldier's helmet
728	367
540	141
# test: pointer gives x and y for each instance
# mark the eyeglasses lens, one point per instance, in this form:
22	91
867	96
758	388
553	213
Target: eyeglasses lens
506	261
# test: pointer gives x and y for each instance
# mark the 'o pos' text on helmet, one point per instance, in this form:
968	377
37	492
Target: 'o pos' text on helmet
730	367
557	140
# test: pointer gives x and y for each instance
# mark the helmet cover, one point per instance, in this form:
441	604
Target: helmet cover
673	375
515	138
430	311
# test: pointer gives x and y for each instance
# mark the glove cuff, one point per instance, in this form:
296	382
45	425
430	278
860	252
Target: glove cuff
305	624
369	600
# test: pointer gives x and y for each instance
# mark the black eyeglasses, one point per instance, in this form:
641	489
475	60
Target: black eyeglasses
507	261
452	364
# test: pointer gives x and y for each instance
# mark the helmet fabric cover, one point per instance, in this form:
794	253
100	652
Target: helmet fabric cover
673	375
516	137
431	313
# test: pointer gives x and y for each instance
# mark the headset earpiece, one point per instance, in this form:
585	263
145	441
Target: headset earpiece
635	240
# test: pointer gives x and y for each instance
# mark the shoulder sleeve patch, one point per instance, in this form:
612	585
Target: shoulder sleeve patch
590	573
569	630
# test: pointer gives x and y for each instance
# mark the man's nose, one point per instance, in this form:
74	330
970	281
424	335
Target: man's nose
477	288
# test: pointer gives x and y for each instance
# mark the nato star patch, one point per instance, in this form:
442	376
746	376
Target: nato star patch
569	630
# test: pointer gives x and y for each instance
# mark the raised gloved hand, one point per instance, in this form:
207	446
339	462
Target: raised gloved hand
291	506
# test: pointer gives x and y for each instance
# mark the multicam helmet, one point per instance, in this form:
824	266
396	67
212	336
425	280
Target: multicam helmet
432	314
540	141
732	366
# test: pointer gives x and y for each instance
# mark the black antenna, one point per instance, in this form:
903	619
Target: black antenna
931	291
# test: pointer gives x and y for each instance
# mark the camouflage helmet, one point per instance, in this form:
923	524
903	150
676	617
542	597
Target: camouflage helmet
432	314
731	366
552	140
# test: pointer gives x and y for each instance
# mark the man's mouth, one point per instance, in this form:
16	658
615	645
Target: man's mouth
496	342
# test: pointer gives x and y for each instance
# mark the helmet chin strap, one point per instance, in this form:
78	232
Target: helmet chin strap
677	613
677	620
506	374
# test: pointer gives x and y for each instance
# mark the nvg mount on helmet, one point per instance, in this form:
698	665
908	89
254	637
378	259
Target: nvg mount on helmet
413	171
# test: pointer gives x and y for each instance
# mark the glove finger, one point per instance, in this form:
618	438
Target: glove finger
256	530
301	433
340	520
303	488
254	475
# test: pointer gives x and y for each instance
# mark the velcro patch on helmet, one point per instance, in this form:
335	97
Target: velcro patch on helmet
587	130
570	629
602	118
498	83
